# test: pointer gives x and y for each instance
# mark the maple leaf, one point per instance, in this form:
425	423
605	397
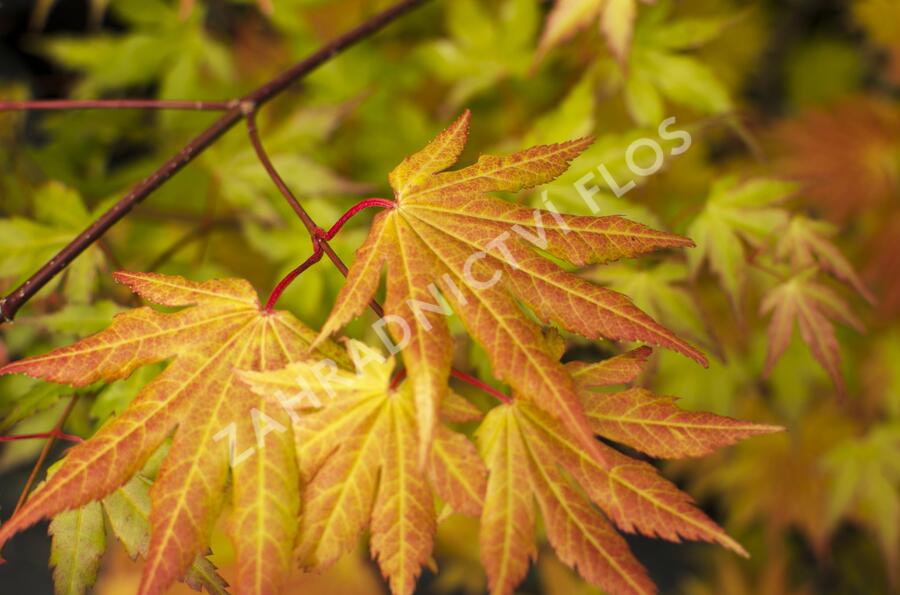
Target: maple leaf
568	17
660	67
884	262
528	453
846	156
782	480
865	479
812	306
531	456
26	244
806	243
359	467
213	416
450	247
483	48
736	213
650	51
78	543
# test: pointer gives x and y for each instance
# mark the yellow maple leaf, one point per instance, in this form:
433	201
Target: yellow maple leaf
359	466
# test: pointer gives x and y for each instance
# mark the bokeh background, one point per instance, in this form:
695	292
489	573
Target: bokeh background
799	99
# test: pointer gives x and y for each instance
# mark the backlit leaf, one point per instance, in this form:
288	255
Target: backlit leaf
214	417
357	445
78	542
568	17
451	247
525	448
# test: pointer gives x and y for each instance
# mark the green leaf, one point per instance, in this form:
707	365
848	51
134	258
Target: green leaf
485	46
78	540
686	33
643	100
128	511
25	245
736	213
573	118
865	476
684	80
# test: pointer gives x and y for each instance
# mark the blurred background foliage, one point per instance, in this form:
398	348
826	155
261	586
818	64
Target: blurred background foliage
789	188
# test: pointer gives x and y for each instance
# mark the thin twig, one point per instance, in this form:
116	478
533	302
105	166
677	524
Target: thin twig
98	104
203	230
45	452
59	435
11	303
253	132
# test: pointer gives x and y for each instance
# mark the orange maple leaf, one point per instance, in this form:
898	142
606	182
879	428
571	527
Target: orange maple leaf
451	247
532	456
215	418
846	156
805	243
813	306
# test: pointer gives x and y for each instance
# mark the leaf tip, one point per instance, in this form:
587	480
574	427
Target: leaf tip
770	429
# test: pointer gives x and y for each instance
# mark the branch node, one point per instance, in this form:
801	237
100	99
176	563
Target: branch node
247	106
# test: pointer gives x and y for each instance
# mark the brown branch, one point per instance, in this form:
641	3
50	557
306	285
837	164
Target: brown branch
247	105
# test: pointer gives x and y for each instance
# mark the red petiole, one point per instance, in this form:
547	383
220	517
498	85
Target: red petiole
319	236
468	379
361	205
472	381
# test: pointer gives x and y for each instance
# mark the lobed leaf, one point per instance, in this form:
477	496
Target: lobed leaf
357	446
213	416
812	306
451	247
